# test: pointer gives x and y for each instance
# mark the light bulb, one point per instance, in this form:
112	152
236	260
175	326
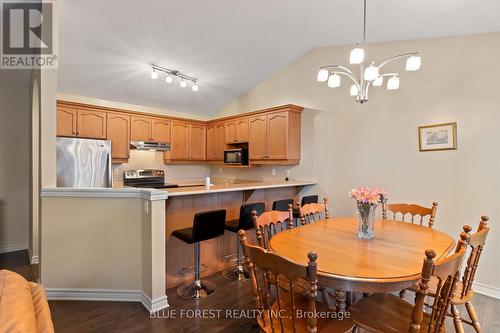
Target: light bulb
323	75
371	73
413	63
184	83
334	81
393	83
378	81
354	90
357	55
195	87
154	74
169	78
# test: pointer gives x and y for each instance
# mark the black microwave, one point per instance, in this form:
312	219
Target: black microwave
237	156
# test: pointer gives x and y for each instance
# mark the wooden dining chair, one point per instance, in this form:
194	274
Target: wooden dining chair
313	212
389	313
280	312
413	210
270	223
464	294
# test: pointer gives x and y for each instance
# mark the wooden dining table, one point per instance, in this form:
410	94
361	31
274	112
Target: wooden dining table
391	261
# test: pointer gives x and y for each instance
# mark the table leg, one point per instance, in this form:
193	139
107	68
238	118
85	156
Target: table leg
340	297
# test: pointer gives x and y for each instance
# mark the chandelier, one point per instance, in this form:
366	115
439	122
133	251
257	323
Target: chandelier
368	75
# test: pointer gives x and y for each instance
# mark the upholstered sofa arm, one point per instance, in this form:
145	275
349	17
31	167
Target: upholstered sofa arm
23	305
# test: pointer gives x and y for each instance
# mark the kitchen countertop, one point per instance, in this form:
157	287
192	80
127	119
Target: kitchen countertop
241	186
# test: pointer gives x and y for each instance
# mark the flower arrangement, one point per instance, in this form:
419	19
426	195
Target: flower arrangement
367	200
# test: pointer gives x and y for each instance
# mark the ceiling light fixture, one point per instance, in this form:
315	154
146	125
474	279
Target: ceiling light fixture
171	74
368	75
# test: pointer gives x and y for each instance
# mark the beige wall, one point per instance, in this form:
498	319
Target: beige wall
345	144
14	159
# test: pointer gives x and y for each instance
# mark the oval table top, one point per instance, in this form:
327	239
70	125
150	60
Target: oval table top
395	254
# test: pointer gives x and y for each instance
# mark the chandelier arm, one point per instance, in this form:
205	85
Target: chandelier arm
404	55
339	67
351	76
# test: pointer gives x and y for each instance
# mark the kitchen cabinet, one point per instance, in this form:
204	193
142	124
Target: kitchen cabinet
179	142
237	131
149	129
211	143
81	122
221	141
118	129
274	138
197	142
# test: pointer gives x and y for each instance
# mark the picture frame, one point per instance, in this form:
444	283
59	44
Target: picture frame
437	137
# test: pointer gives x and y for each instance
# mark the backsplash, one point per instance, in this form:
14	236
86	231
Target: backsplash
154	160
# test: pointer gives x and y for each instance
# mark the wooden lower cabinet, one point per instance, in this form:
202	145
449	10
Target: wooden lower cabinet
180	212
118	131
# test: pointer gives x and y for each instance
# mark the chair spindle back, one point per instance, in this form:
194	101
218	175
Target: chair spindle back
313	212
270	223
412	209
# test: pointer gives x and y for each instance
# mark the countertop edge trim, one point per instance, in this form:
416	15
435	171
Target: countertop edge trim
146	194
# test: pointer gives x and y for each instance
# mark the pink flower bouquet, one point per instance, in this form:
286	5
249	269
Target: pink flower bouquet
367	200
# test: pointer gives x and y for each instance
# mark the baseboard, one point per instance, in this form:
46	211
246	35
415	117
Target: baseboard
111	295
13	248
487	290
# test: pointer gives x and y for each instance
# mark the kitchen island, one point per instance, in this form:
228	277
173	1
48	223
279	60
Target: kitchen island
184	202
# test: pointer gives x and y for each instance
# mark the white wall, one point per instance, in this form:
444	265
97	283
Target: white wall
345	144
14	159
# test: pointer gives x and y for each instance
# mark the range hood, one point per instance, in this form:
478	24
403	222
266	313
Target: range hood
151	146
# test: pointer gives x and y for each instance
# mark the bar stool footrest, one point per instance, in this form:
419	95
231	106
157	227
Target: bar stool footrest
186	271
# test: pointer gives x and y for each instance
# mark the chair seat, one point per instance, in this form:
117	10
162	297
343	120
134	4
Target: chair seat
185	235
324	324
457	300
385	313
234	226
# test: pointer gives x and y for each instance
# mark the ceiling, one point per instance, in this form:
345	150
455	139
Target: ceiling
105	47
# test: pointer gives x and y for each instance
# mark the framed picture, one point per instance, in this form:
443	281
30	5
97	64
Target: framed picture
437	137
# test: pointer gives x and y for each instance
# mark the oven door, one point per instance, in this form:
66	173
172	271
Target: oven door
232	156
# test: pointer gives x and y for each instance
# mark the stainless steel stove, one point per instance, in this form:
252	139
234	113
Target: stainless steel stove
148	178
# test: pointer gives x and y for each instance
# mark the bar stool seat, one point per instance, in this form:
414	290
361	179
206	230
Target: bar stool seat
233	225
206	225
308	199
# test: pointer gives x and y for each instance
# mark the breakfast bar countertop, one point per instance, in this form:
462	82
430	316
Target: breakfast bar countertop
241	186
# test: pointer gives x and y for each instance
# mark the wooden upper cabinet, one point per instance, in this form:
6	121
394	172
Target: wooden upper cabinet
179	149
221	141
257	143
242	129
277	136
231	132
197	142
118	129
160	130
91	124
211	142
66	121
140	128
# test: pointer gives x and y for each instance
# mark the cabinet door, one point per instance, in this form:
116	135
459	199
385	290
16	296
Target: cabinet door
277	136
91	124
211	142
197	143
140	129
231	132
242	129
160	130
221	141
66	121
179	141
257	140
118	132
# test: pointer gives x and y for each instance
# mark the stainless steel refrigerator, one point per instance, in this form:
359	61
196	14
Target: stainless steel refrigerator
83	163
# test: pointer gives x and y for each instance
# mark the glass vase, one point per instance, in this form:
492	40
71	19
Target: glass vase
366	217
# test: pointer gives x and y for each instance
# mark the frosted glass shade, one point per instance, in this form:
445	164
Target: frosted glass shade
169	78
183	84
393	83
323	75
334	81
371	73
413	63
357	56
354	90
378	81
154	74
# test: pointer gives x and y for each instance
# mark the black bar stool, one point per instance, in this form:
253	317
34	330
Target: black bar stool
309	199
206	225
245	222
282	205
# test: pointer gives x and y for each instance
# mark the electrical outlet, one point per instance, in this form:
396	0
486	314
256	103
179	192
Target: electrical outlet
273	172
115	172
146	207
287	173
